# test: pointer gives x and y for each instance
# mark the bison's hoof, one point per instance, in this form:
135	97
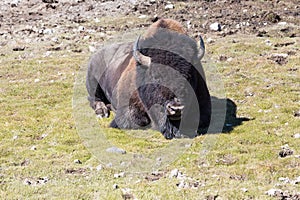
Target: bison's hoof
101	110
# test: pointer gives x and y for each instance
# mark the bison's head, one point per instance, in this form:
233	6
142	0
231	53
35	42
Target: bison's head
167	59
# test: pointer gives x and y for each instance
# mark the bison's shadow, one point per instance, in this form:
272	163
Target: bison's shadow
224	117
231	119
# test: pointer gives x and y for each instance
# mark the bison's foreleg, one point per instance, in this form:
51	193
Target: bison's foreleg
101	110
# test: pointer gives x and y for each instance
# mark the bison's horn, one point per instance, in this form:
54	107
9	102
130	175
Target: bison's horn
138	56
201	49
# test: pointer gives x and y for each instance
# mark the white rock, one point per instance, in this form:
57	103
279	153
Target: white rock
119	175
169	7
282	23
48	31
215	26
244	189
33	148
81	28
210	40
284	179
36	80
174	173
297	135
77	161
283	55
273	192
142	16
92	49
115	150
115	186
99	167
296	181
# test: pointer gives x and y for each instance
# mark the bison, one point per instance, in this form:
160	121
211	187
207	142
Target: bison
154	82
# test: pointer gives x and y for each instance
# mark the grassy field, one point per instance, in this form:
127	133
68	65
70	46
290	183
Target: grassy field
45	122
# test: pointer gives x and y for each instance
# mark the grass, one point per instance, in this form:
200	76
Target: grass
37	112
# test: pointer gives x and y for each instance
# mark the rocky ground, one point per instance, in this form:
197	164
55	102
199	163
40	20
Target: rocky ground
64	24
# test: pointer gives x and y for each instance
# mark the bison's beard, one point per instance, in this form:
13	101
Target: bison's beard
170	128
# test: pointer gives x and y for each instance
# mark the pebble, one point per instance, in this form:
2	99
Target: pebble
27	182
274	192
244	189
210	40
282	23
115	186
36	80
297	135
283	55
33	148
169	7
285	151
92	49
77	161
284	179
174	173
119	175
99	168
296	181
115	150
215	26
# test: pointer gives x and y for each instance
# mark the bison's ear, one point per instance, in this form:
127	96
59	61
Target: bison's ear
138	56
201	48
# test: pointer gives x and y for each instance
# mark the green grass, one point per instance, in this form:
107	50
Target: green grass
37	110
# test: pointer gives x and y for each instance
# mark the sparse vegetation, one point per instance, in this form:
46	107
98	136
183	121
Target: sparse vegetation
40	141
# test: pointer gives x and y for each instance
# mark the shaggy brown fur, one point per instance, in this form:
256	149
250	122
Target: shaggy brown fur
146	96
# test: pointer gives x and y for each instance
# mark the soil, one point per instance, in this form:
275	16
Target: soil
64	24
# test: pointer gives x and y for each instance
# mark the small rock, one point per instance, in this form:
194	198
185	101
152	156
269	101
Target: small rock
48	31
36	80
215	26
18	48
119	175
127	193
15	137
142	16
174	173
210	40
182	184
296	181
244	189
274	192
77	161
280	58
92	49
115	186
282	23
109	165
285	151
115	150
27	182
297	113
99	168
42	180
297	135
169	7
33	148
81	28
284	179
